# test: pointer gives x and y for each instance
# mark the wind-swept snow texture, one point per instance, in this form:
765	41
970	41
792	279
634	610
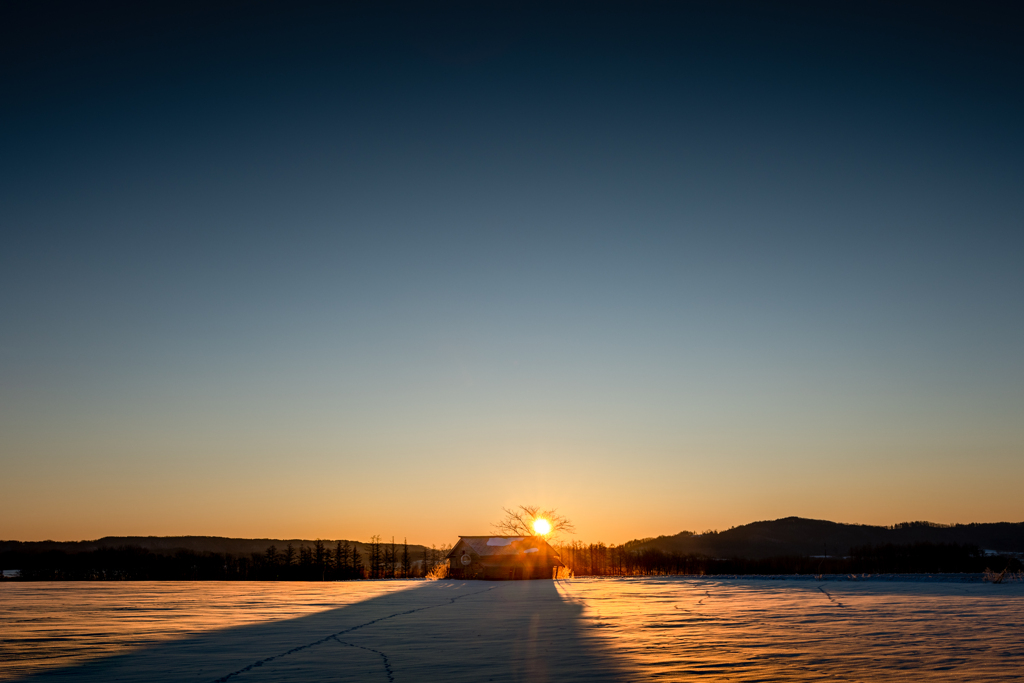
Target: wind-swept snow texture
583	630
681	629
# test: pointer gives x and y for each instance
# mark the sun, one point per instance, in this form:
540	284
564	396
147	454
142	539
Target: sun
541	527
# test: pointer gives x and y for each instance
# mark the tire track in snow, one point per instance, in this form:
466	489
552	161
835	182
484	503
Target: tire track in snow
829	596
387	662
334	636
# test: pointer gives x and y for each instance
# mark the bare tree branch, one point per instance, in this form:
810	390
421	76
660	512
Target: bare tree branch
519	522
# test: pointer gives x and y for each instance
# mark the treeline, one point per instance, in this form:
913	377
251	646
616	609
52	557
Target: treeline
392	561
342	560
598	559
321	561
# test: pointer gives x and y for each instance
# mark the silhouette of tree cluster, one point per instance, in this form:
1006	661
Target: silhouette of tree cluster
321	561
598	559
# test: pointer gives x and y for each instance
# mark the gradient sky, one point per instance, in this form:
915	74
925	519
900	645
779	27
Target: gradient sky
322	271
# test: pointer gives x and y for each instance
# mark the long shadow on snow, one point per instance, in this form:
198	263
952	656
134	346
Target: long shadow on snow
452	631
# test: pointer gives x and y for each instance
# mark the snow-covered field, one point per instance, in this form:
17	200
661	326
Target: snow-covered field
757	630
584	630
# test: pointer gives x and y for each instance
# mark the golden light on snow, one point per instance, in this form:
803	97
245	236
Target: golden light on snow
541	527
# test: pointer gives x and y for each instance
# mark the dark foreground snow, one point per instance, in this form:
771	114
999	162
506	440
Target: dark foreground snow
582	630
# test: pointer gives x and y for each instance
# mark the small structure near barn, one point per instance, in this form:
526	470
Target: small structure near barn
502	557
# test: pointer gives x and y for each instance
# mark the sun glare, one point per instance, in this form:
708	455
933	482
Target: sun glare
541	527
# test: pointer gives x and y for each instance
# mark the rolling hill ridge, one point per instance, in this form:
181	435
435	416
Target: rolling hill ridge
796	536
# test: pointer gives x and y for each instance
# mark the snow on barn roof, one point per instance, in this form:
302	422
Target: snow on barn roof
490	546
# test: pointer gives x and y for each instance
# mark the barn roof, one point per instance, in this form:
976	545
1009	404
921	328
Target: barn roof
497	546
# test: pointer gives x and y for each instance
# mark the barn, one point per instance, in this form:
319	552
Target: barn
502	557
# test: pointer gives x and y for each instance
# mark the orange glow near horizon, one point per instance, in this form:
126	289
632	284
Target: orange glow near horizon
541	527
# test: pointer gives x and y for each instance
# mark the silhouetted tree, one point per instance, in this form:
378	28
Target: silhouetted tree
357	563
320	559
289	560
392	559
337	562
406	562
271	560
305	562
519	522
376	562
345	567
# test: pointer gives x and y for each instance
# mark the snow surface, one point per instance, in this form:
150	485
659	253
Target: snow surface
749	629
633	629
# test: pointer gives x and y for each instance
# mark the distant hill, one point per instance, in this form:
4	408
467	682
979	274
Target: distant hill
168	545
812	537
